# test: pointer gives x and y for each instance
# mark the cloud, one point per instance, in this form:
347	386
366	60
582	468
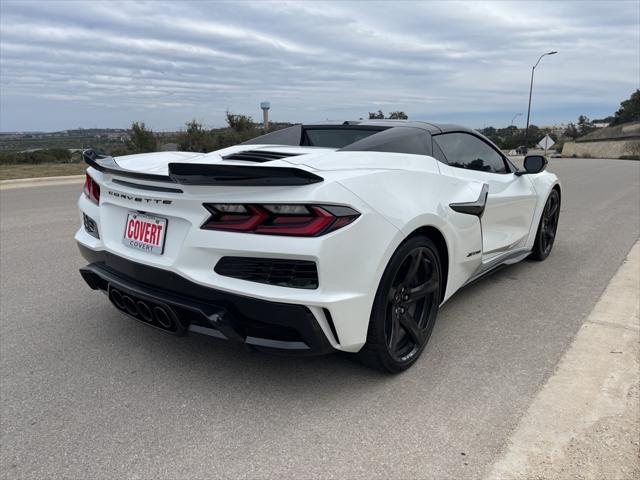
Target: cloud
109	63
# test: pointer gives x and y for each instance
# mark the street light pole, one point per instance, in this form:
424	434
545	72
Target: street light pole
526	132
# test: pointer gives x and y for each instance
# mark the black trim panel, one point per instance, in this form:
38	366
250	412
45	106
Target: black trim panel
106	164
141	186
258	156
241	175
283	272
260	323
327	315
496	264
473	208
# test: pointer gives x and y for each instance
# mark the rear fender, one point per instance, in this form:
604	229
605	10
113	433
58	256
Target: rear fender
424	200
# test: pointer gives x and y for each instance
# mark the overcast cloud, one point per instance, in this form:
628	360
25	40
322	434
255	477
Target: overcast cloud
70	64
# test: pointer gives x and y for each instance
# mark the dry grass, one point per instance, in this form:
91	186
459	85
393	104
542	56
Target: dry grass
8	172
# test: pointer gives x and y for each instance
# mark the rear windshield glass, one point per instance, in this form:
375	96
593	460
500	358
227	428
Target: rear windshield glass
335	137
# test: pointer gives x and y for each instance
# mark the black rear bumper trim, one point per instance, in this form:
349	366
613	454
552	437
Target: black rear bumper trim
282	327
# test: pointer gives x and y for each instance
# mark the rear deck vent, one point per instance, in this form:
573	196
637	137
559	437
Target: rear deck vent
258	156
274	271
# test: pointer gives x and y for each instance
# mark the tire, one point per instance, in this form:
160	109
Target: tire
405	307
547	228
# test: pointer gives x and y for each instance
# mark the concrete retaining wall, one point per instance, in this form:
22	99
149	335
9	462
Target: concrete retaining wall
602	149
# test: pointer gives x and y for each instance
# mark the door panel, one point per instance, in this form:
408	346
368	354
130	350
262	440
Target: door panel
511	201
508	214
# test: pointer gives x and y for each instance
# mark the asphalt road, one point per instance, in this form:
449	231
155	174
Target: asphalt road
88	393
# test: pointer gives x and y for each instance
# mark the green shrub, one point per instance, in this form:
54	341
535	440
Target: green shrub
50	155
141	139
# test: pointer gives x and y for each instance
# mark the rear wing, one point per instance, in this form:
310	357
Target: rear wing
207	174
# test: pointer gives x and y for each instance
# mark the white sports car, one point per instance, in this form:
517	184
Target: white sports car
314	238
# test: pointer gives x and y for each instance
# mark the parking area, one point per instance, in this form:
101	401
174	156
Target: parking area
88	393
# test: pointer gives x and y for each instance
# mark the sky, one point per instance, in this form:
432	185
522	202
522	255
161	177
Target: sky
92	64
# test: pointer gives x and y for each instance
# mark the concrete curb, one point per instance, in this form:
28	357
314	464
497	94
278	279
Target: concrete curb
584	422
40	181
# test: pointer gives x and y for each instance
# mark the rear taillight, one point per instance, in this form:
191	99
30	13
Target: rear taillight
278	219
92	189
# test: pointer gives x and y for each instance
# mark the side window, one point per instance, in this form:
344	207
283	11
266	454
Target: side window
466	151
438	154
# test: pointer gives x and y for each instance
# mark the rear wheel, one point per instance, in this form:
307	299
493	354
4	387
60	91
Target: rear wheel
405	307
547	228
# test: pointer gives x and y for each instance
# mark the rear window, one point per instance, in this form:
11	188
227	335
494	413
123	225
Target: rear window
335	137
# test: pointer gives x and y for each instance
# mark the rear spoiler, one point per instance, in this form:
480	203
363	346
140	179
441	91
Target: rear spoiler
215	174
208	174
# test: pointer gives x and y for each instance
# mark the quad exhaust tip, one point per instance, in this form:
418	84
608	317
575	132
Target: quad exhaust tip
162	317
156	315
130	305
144	311
116	298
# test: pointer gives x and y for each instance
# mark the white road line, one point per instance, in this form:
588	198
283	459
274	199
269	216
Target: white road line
584	422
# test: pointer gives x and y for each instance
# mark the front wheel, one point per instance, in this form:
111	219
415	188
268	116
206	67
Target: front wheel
547	228
405	307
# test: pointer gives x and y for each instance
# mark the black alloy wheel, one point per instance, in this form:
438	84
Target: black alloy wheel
547	228
405	307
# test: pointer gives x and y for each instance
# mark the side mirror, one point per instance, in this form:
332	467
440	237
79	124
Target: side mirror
534	164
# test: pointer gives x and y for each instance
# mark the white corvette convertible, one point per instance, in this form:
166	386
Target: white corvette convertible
315	238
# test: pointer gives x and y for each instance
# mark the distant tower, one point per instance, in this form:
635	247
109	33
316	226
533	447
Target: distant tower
265	106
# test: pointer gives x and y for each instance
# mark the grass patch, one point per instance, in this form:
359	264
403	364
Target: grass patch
9	172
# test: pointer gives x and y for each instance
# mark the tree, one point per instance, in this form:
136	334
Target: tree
492	134
399	115
507	138
606	120
141	140
571	131
585	126
629	110
240	123
489	132
535	135
196	139
241	128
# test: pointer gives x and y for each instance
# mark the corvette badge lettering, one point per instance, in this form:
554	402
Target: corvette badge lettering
158	201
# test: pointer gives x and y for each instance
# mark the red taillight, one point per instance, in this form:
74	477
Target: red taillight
279	219
92	189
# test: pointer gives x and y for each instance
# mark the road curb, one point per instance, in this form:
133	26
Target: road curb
584	423
40	181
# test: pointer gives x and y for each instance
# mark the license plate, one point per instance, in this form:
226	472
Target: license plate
145	232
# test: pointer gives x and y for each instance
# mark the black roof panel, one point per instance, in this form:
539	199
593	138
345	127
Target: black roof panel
399	136
429	126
